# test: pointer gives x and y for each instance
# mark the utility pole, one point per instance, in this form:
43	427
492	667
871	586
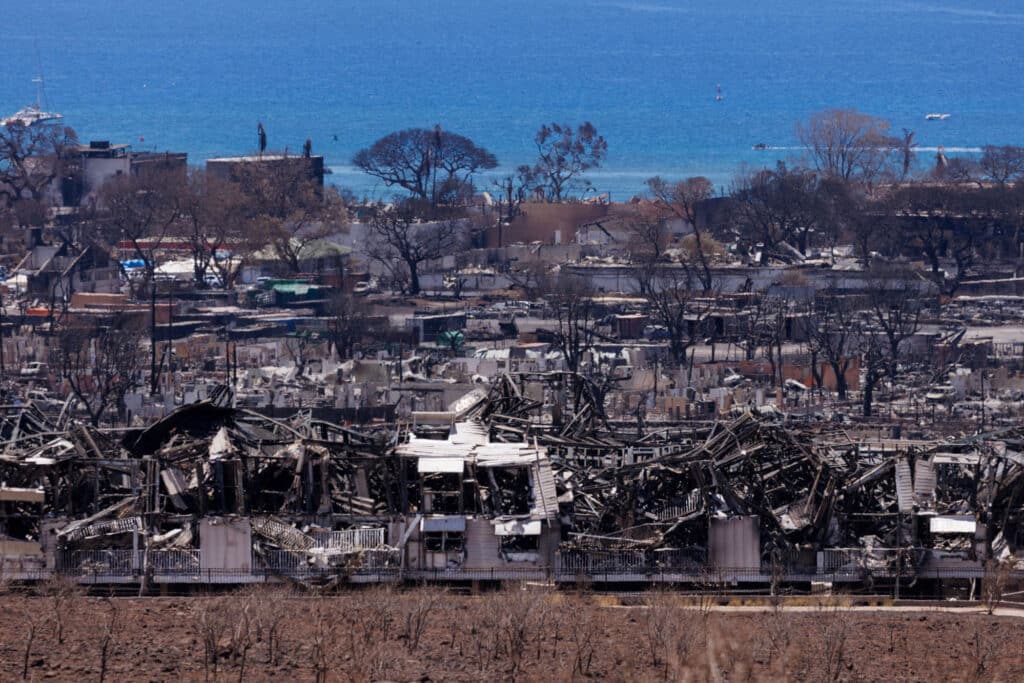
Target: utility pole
982	400
153	378
3	369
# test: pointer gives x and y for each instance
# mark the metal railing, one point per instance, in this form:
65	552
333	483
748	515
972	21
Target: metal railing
350	539
599	561
688	564
177	561
108	562
688	559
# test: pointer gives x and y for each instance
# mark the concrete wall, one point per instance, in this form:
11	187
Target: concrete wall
225	543
541	221
734	543
98	170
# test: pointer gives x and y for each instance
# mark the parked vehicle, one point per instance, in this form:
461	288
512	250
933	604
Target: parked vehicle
34	369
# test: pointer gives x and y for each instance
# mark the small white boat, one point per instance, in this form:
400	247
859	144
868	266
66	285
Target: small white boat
33	113
718	93
936	117
29	116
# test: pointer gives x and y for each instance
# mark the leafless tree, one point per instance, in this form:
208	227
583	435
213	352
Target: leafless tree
830	651
100	364
298	348
871	228
401	242
873	363
323	640
213	212
757	327
572	300
31	158
240	636
772	206
35	621
956	172
507	621
583	640
847	144
363	649
683	200
1011	208
995	583
418	612
141	212
648	238
895	308
939	220
62	593
108	635
513	190
346	323
671	631
834	333
209	628
377	613
287	209
1002	165
983	650
533	277
672	304
27	213
270	610
434	165
564	154
225	627
766	331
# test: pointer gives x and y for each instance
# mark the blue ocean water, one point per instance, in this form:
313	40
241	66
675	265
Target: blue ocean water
197	75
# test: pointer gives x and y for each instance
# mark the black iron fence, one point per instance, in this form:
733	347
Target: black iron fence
679	565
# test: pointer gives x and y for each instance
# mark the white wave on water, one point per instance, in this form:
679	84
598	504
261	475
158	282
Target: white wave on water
964	12
645	7
951	150
500	173
945	148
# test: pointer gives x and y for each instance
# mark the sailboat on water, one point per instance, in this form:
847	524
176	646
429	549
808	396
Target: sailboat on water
718	93
33	114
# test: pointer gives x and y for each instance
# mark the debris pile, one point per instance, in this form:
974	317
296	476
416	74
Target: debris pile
485	486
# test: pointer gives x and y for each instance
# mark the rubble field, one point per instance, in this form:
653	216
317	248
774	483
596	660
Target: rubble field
427	634
218	494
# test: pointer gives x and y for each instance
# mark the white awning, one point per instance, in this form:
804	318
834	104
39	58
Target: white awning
443	524
517	527
956	458
446	465
21	495
952	524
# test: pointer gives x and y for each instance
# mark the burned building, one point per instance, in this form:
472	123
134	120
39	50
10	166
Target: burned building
215	493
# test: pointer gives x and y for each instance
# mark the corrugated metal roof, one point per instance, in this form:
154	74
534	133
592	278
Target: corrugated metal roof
924	482
545	497
904	486
468	444
507	455
474	433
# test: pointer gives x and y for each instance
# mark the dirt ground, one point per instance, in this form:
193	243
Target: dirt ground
426	634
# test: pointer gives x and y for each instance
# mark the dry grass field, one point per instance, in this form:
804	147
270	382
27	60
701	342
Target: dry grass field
427	634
